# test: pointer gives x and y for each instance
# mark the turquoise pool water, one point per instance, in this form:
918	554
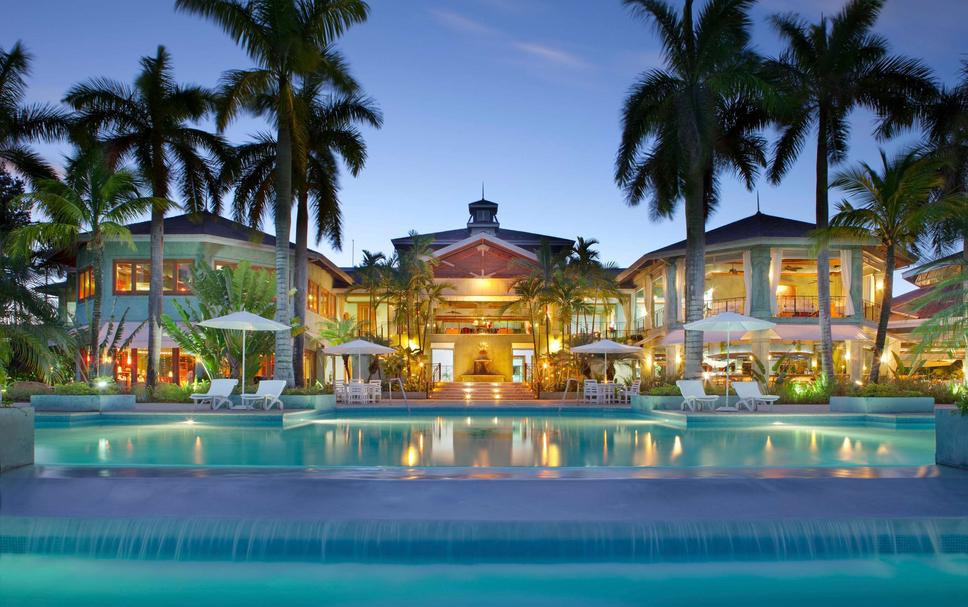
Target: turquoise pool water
881	582
484	441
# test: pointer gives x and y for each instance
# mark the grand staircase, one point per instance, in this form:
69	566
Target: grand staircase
495	392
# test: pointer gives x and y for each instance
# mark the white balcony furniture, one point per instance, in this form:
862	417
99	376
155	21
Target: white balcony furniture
218	394
751	397
694	395
267	395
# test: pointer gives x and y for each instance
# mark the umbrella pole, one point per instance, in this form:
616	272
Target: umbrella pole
243	362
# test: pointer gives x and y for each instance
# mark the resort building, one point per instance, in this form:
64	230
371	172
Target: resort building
189	239
761	266
475	327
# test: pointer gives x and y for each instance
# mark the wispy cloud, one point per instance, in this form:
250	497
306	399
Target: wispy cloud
551	55
543	53
460	23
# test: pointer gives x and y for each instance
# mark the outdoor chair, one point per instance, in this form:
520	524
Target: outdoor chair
376	390
218	394
267	394
625	394
751	397
339	389
693	394
356	393
590	392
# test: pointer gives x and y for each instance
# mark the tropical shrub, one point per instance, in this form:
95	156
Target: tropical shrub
85	389
21	391
220	292
171	393
663	390
309	390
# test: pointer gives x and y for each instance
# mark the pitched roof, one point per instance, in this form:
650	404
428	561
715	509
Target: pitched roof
758	225
525	240
210	224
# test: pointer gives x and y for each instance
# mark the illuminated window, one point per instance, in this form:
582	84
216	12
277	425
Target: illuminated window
134	277
85	284
312	297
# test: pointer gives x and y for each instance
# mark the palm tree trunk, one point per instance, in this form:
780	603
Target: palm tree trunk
283	222
695	276
885	316
94	351
156	289
301	279
823	255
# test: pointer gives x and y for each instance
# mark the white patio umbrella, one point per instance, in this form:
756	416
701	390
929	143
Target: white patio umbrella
358	347
245	322
729	322
606	347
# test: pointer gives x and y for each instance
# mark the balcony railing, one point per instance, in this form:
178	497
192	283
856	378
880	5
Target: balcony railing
805	306
489	327
729	304
658	316
872	311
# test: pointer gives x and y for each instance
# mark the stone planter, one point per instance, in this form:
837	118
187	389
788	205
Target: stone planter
16	437
951	442
881	404
647	402
71	403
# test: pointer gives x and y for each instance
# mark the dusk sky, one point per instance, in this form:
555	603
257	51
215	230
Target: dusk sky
521	94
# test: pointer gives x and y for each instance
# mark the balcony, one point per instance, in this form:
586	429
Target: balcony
805	306
658	316
485	327
729	304
617	332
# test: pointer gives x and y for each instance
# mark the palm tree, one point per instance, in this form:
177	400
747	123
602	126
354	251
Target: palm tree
828	69
684	124
371	272
92	205
22	123
286	39
890	205
150	123
531	300
335	332
331	135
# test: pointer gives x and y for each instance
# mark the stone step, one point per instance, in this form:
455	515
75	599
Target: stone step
478	391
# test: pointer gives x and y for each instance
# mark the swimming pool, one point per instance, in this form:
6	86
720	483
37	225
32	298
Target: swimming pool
485	441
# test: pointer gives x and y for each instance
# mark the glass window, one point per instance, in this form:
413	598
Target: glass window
184	278
122	277
85	284
169	276
142	277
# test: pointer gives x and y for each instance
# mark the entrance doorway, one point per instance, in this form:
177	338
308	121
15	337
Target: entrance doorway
444	357
520	365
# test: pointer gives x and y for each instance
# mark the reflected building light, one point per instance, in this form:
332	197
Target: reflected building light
676	447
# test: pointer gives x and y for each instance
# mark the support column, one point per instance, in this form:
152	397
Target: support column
857	283
671	310
855	364
760	347
176	366
760	297
673	362
134	366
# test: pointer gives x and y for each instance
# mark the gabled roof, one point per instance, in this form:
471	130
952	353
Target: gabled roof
936	264
525	240
758	225
210	224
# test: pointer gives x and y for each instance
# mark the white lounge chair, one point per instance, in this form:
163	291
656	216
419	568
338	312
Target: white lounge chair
267	394
751	397
218	394
693	394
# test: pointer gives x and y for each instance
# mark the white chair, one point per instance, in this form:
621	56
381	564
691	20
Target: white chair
356	393
339	389
376	390
625	394
590	393
218	394
751	397
693	394
267	394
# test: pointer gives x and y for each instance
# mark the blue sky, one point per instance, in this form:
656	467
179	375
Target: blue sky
521	94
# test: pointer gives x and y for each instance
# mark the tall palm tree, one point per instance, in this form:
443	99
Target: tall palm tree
21	123
151	123
530	300
286	39
371	272
92	204
684	124
332	136
828	69
890	204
